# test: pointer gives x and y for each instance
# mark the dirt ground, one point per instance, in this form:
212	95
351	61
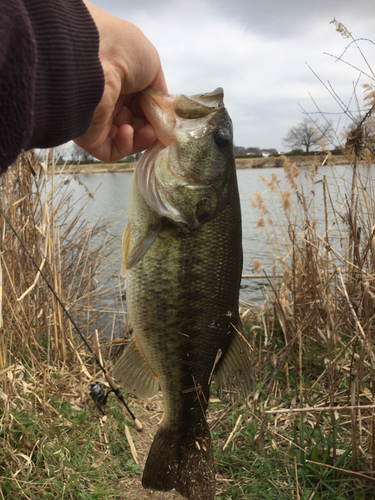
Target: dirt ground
150	421
150	413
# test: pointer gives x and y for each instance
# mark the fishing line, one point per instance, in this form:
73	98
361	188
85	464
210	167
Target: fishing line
96	391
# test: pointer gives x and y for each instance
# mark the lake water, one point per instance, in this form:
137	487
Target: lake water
111	196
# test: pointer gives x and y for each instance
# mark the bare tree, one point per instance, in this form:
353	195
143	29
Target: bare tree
44	154
79	154
307	135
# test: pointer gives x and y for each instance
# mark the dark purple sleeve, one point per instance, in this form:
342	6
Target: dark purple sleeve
51	79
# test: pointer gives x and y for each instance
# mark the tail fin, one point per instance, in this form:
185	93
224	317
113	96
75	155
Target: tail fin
185	463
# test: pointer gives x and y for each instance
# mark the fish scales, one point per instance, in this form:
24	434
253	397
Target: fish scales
188	304
184	259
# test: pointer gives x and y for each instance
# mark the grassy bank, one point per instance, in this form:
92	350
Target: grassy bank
51	442
95	168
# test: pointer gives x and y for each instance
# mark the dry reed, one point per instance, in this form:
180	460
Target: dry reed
40	353
318	325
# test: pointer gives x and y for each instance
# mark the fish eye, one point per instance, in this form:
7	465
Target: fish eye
222	138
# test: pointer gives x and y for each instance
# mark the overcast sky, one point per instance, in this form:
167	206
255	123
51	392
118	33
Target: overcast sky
257	51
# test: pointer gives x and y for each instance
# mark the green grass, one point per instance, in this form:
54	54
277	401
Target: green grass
61	454
265	468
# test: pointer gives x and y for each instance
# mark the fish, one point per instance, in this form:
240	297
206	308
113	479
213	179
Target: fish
182	254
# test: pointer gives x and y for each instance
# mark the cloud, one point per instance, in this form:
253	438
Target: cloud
257	51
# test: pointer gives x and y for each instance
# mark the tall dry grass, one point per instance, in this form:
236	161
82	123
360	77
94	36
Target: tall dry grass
314	347
52	442
37	342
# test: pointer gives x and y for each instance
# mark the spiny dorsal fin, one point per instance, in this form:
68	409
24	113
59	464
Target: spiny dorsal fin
234	373
133	372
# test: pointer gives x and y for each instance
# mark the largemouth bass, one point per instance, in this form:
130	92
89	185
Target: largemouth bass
183	255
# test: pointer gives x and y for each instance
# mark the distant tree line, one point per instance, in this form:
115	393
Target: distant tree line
309	136
239	150
72	153
80	155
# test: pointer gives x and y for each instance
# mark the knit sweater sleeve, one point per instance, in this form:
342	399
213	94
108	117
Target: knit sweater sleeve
51	79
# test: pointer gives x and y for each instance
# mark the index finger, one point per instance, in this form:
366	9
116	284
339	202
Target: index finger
159	82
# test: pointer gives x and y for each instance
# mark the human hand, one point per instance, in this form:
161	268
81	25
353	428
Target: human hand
130	64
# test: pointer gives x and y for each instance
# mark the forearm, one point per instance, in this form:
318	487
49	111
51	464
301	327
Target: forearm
17	80
69	77
67	83
51	77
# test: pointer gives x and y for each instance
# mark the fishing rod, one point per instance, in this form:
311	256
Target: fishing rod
96	390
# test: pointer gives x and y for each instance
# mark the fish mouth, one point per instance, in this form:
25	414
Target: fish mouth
163	111
158	109
162	177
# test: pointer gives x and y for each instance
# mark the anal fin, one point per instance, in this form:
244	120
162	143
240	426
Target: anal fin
133	372
234	374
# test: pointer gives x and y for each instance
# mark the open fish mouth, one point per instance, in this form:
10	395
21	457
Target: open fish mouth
163	173
164	111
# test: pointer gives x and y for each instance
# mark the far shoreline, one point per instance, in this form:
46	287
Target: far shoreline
309	161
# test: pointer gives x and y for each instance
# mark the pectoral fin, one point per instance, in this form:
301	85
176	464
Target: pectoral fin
133	372
144	244
234	374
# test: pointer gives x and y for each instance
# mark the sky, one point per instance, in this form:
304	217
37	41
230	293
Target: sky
264	54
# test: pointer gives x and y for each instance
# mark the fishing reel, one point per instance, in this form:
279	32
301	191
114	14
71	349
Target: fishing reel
99	396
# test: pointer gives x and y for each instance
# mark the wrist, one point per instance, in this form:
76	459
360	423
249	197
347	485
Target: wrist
127	56
109	28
